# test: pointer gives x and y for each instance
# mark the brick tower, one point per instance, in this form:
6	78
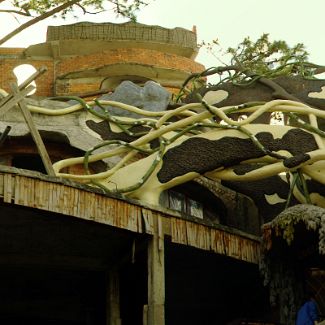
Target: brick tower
86	58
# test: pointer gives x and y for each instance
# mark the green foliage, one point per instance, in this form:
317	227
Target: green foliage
271	59
250	61
282	272
124	8
128	8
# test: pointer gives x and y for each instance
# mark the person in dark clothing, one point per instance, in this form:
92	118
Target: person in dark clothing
308	312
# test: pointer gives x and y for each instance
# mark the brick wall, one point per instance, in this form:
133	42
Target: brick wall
44	83
11	50
64	87
13	57
123	55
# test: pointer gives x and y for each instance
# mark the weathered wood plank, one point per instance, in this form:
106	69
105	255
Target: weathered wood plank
92	205
10	101
147	221
82	203
108	212
57	198
30	189
74	202
40	196
66	201
4	135
113	299
1	185
34	132
61	198
156	278
25	84
8	188
100	210
50	196
18	180
21	190
194	234
178	233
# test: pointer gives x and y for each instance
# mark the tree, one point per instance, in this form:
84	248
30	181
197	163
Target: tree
260	61
38	10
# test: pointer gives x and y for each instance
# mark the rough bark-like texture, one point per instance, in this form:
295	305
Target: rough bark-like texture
257	190
240	210
105	132
202	155
296	86
285	257
313	218
127	32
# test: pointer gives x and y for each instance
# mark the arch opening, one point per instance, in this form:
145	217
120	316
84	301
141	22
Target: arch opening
24	71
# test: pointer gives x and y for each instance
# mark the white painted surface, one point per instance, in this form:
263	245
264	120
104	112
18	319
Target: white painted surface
273	199
319	95
215	96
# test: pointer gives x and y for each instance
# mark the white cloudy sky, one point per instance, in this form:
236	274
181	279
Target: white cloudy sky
228	20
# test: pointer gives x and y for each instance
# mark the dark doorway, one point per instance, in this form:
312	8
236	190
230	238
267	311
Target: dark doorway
134	285
209	289
30	162
53	268
51	297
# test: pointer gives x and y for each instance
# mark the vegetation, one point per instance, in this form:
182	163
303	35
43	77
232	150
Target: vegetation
260	60
38	10
280	271
271	59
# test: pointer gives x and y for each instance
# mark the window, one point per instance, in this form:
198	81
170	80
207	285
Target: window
195	200
23	72
179	202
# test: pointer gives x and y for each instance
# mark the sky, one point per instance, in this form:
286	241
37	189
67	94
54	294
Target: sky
229	21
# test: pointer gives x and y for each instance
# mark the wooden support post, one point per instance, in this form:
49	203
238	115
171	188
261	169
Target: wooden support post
12	101
113	299
155	310
34	132
4	135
